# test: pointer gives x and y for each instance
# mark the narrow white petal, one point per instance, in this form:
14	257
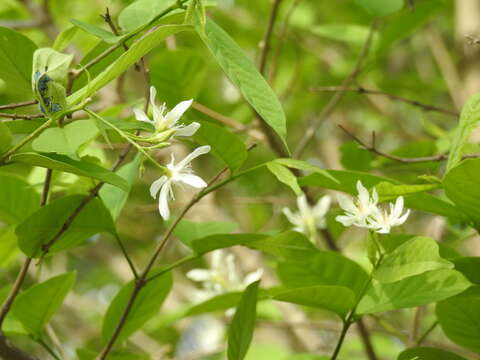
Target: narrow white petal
403	218
346	220
163	200
303	205
156	185
363	195
176	113
398	208
188	130
252	277
346	203
199	275
293	218
322	206
192	180
141	116
194	154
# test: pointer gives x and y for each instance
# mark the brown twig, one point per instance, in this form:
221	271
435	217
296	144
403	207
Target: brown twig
373	149
362	90
21	116
334	101
17	105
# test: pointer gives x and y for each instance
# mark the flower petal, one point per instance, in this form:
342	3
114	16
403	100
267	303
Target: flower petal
176	113
141	116
192	180
363	195
156	185
252	277
194	154
199	274
322	206
346	203
188	130
163	200
303	206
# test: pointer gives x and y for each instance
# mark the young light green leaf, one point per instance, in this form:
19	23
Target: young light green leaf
285	176
462	188
44	225
144	45
51	63
64	38
37	305
428	353
389	191
413	291
225	145
220	241
416	256
18	199
66	140
468	266
241	71
380	7
459	318
240	332
469	119
337	299
66	164
8	246
146	305
16	52
115	198
141	12
96	31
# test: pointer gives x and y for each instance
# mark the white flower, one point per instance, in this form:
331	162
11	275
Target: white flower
357	210
308	218
365	212
382	221
223	276
169	120
179	173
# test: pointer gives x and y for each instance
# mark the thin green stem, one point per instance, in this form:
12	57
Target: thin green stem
48	349
126	137
173	266
426	333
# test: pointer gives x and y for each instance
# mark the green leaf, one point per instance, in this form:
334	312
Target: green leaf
241	71
469	267
337	299
226	146
8	246
428	353
218	303
380	7
115	198
141	12
459	318
146	305
285	176
180	74
325	268
469	119
66	164
18	199
413	291
44	224
52	63
5	138
240	332
416	256
346	181
389	191
16	52
354	157
66	140
188	231
462	188
96	31
37	305
220	241
64	38
127	59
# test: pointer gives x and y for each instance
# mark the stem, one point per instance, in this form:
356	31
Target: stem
426	333
48	349
17	105
346	326
27	139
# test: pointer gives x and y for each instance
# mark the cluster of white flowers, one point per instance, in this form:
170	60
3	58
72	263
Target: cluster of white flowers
176	173
307	219
222	277
364	211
